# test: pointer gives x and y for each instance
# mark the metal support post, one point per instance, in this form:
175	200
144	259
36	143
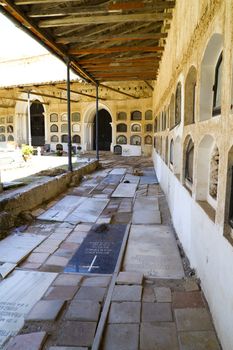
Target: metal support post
70	167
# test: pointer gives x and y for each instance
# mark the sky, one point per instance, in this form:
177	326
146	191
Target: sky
14	43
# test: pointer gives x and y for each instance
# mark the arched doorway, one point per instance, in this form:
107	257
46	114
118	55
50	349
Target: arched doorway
37	123
105	130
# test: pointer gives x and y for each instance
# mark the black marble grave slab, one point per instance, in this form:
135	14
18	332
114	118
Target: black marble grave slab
99	251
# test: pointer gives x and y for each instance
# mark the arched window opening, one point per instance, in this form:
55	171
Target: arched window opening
172	112
54	138
148	140
53	128
59	147
76	128
177	157
64	138
148	115
75	117
136	115
148	128
155	125
189	156
76	139
166	150
121	127
2	138
10	129
2	129
190	96
10	138
228	232
136	128
178	104
64	128
121	140
53	117
172	152
217	87
121	116
214	165
135	140
210	82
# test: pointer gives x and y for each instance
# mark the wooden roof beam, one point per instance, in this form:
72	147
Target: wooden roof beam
118	91
107	50
149	85
49	96
77	20
129	37
21	100
80	93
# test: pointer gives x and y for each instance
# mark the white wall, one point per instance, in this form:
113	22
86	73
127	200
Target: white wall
208	251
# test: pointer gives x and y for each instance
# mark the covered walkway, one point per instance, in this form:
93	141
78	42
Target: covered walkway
101	268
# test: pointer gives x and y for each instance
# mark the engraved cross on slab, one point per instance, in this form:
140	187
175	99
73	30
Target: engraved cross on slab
92	266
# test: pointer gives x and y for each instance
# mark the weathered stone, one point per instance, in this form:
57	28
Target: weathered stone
83	311
163	294
45	310
127	293
66	279
57	261
67	348
158	337
91	293
121	337
30	341
126	312
75	333
181	300
205	340
193	319
148	294
61	292
190	285
156	312
129	278
102	281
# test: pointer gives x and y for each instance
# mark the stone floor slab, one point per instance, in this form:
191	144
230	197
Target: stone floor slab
60	292
88	211
91	293
57	261
193	319
126	312
205	340
129	278
66	279
100	281
146	217
45	310
127	293
74	333
156	312
121	337
31	341
125	190
163	294
158	337
67	348
83	311
181	300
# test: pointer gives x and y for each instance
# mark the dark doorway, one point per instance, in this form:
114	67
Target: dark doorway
105	131
37	123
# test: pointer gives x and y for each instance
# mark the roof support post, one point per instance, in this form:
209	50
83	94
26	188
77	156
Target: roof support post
97	123
29	121
70	167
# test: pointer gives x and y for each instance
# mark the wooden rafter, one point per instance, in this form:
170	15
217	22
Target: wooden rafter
20	99
80	93
116	49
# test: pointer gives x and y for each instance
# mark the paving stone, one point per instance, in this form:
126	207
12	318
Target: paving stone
57	261
74	333
129	278
127	293
64	253
43	248
83	227
181	300
126	312
67	348
190	285
77	237
163	294
121	337
102	281
66	279
158	337
30	341
193	319
148	294
156	312
61	292
69	245
45	310
91	293
205	340
38	258
30	266
83	311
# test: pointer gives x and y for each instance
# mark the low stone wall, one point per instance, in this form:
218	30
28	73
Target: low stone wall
31	196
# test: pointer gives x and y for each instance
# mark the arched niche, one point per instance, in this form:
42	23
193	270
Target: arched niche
53	128
177	156
188	159
148	140
171	153
54	138
121	140
172	112
148	115
121	116
178	97
76	139
135	140
204	152
208	88
228	227
166	150
136	128
136	115
190	96
121	127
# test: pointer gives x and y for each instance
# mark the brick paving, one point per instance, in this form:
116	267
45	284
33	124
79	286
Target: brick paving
145	312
